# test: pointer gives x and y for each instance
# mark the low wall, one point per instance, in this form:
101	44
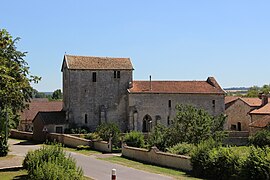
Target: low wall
154	156
73	141
21	134
238	133
102	146
68	140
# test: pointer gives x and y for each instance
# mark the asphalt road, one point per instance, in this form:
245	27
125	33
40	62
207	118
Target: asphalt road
92	167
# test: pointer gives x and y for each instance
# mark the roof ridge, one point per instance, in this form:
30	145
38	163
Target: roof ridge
109	57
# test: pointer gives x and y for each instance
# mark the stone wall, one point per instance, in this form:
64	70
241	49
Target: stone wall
21	134
73	141
90	103
154	156
157	106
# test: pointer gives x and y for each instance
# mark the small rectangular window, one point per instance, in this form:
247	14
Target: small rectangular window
114	74
214	103
118	74
85	118
170	104
94	77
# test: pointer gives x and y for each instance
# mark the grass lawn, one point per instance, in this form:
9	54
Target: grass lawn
149	168
18	174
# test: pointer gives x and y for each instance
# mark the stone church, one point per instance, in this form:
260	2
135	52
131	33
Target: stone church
102	89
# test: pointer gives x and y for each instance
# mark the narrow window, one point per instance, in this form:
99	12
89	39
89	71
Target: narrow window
168	120
85	118
94	77
170	104
118	74
214	103
114	74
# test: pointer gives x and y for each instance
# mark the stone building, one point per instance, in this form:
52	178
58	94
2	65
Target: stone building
36	105
237	111
101	89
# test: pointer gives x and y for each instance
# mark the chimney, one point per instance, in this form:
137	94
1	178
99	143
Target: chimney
150	83
264	98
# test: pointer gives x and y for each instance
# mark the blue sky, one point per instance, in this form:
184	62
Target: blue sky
170	40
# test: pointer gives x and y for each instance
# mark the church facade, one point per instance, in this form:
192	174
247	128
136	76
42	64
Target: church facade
102	89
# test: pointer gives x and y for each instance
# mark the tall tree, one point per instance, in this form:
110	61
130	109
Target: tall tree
15	78
57	94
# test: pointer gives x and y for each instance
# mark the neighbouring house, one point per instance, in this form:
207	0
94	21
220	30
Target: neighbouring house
36	105
260	118
260	124
48	122
101	89
237	110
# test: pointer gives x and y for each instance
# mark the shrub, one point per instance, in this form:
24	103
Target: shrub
92	136
49	159
3	147
159	137
261	138
109	130
134	139
257	164
181	149
200	157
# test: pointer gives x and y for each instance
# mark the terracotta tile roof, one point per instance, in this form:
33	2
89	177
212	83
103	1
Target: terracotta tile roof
193	87
35	106
261	123
252	101
263	110
97	63
53	117
229	99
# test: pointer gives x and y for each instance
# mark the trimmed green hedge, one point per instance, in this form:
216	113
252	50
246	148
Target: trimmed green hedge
217	162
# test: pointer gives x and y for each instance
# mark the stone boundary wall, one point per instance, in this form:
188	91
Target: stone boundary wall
238	133
21	134
154	156
73	141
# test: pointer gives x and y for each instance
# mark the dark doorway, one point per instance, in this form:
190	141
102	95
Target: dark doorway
239	126
147	123
59	129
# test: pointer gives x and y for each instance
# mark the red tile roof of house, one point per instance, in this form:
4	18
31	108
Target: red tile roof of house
97	63
263	110
252	101
261	123
35	106
187	87
229	99
249	101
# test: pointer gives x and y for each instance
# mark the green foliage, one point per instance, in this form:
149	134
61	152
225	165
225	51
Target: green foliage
74	129
181	149
210	160
15	78
3	147
160	137
255	91
109	130
200	157
92	136
257	164
261	138
15	88
50	162
134	139
193	125
57	94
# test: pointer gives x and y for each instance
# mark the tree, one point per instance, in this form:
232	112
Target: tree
15	78
194	125
57	94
